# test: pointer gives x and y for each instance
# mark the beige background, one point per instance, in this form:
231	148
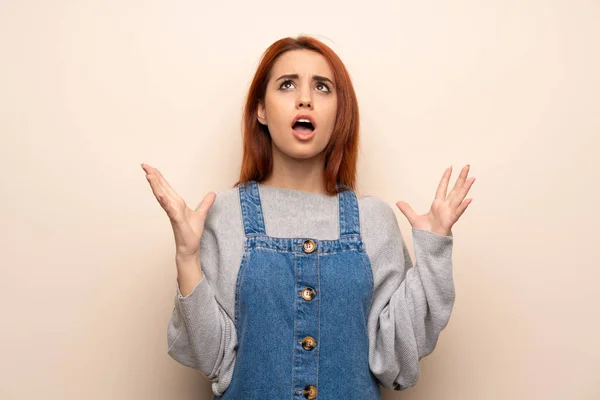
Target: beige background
90	89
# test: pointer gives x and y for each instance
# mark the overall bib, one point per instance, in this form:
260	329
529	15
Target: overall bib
301	307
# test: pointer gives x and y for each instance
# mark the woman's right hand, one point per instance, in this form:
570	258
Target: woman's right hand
188	225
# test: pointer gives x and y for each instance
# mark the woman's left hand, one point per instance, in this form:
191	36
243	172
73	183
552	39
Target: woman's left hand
445	210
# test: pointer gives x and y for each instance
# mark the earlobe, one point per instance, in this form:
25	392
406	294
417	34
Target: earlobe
261	113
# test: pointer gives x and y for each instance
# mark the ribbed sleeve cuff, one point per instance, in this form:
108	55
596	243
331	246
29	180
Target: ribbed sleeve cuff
431	238
201	293
203	323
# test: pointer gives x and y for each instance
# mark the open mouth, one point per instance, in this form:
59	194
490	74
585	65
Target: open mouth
303	126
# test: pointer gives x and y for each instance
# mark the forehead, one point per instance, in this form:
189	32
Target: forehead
305	63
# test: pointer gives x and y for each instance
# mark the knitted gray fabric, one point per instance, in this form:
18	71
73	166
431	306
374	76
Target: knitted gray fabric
410	306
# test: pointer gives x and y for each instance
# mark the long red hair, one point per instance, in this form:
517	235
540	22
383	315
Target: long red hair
341	153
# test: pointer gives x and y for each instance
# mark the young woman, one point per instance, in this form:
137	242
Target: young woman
289	285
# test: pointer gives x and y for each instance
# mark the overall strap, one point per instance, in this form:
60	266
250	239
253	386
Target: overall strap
349	217
252	213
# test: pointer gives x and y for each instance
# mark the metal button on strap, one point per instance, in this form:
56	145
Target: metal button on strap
308	246
308	343
310	392
308	293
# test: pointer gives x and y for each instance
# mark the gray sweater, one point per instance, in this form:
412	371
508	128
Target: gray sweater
410	305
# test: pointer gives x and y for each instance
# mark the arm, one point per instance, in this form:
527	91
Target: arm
200	333
411	304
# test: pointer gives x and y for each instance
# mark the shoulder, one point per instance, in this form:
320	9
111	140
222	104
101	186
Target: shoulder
379	226
376	212
223	228
379	230
225	208
226	199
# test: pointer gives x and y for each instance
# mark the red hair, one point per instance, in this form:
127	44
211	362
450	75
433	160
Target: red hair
341	153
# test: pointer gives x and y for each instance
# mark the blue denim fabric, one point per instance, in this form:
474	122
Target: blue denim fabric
272	317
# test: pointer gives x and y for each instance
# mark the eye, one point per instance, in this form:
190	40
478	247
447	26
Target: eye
284	83
324	86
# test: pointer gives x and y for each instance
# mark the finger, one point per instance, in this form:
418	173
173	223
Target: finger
153	178
147	169
171	200
206	204
165	185
160	192
408	211
461	193
156	188
443	185
462	177
462	207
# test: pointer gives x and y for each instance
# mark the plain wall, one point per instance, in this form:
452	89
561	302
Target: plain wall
90	89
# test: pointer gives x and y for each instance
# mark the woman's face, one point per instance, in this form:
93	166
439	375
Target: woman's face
301	83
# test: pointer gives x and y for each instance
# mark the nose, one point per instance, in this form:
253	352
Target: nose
304	99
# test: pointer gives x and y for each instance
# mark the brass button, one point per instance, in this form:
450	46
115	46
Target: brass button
308	246
310	392
308	293
308	343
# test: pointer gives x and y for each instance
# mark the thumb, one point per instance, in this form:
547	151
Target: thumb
407	210
205	205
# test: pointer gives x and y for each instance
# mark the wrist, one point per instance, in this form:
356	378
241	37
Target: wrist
187	263
186	257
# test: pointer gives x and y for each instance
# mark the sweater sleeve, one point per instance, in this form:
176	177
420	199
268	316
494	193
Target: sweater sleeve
411	304
200	334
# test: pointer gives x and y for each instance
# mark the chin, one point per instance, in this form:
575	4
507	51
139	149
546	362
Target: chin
303	155
302	152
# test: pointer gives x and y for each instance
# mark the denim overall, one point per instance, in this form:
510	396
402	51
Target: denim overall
301	307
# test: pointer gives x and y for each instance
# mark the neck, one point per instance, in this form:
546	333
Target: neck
299	174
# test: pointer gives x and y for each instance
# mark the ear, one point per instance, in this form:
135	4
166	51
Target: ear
261	113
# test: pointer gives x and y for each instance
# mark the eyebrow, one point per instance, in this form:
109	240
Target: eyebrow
317	78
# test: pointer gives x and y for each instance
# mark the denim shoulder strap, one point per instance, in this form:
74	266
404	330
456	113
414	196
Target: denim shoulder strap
252	213
349	218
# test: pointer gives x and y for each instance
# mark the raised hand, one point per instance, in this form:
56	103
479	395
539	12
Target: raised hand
188	225
446	209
